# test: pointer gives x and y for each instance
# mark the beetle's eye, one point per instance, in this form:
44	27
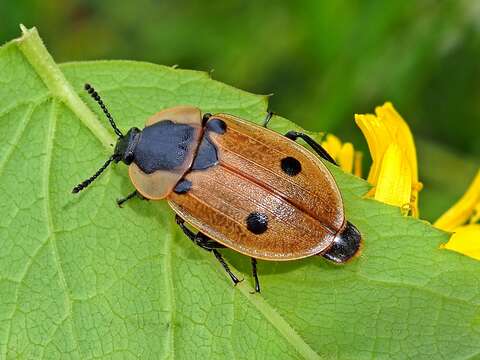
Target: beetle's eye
128	158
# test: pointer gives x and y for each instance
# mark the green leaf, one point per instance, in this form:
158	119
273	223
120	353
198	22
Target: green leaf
80	278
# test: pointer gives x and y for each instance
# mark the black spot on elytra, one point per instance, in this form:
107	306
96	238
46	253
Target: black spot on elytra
290	166
183	186
217	125
257	222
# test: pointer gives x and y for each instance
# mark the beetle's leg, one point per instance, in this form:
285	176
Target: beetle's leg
121	201
294	135
267	118
208	244
199	239
255	276
225	266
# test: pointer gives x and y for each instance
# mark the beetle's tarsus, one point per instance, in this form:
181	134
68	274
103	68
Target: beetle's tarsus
226	267
239	281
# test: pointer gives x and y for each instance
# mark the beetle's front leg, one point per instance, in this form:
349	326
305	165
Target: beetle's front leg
267	119
207	244
121	201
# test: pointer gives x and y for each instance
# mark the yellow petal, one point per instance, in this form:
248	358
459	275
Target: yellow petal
466	241
403	136
378	140
394	181
345	157
476	215
344	154
400	131
381	130
357	164
333	145
459	213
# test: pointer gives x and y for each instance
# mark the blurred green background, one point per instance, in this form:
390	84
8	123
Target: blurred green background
323	60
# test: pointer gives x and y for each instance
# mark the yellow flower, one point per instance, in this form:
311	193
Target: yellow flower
344	154
394	173
467	207
394	179
394	176
465	240
461	219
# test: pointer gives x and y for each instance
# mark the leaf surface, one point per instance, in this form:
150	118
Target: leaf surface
81	278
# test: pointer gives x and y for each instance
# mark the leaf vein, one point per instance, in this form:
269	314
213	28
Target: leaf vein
51	229
168	278
17	136
274	318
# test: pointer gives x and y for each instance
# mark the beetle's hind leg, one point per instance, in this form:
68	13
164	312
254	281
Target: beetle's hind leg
255	275
207	244
123	200
294	135
225	266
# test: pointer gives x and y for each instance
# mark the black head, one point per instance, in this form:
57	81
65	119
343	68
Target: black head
125	148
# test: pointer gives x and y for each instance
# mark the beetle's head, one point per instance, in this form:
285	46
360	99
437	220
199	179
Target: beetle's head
124	149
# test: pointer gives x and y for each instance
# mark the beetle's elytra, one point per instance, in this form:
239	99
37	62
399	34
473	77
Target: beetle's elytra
241	185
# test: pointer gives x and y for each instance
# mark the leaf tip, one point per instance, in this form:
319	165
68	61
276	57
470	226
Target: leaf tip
26	32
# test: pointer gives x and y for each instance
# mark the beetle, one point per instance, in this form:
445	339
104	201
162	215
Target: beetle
242	185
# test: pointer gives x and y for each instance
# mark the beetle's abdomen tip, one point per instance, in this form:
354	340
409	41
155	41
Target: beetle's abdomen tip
346	245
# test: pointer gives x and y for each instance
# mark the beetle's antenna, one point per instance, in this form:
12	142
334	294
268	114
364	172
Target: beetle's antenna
97	98
87	182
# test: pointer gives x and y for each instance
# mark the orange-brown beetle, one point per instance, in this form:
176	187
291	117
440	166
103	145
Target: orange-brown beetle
241	185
